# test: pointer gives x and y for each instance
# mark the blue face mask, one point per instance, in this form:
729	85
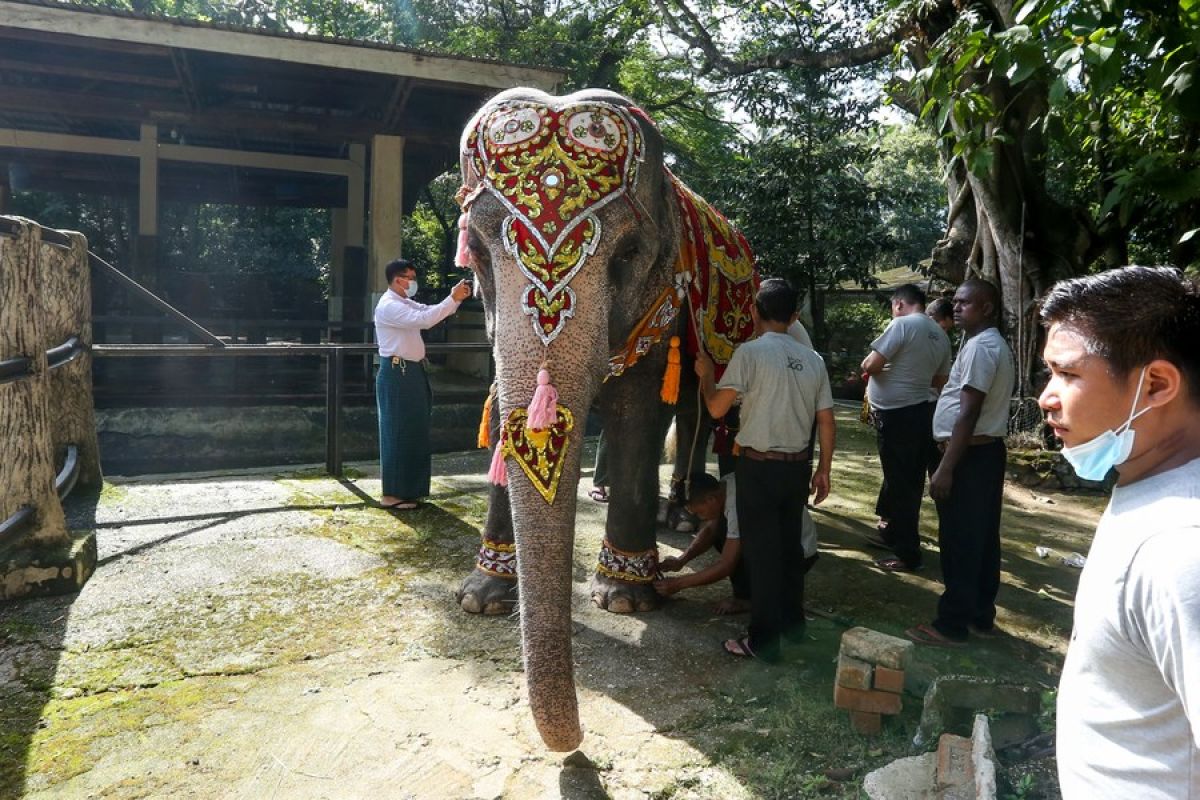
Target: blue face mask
1094	458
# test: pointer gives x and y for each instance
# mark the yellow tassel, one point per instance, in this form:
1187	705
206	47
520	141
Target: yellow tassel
670	384
485	424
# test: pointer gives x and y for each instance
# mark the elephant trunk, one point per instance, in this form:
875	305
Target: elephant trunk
544	529
546	636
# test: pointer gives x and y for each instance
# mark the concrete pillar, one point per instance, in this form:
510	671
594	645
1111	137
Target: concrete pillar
337	263
387	175
354	293
145	250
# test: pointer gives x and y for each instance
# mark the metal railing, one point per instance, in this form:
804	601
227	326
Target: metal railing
334	355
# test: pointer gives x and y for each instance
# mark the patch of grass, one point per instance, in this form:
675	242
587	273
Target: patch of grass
113	494
778	733
61	748
440	534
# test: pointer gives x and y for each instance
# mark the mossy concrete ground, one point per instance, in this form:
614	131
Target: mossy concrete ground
273	635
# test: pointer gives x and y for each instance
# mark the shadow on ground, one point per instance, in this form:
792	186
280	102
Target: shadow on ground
277	636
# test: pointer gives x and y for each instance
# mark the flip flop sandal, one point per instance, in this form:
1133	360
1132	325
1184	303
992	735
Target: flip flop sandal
894	565
599	494
929	635
401	505
739	648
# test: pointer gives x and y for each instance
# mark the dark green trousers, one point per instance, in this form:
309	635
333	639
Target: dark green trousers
403	397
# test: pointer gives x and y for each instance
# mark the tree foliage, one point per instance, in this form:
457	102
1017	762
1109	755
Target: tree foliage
1068	129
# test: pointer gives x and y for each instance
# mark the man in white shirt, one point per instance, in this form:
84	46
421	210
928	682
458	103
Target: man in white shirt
784	387
1123	348
402	391
910	357
969	425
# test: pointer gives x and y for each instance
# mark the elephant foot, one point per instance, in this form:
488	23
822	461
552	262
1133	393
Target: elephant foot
622	580
623	597
481	593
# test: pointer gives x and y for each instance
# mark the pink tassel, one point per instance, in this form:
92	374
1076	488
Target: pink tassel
543	409
462	256
497	474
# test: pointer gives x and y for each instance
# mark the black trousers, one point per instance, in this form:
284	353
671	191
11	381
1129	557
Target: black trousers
739	579
905	439
969	537
770	498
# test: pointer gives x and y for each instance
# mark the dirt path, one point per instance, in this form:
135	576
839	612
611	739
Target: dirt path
264	636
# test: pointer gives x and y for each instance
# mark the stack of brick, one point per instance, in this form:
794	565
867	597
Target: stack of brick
870	677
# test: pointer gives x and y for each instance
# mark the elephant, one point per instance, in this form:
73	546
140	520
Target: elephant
600	274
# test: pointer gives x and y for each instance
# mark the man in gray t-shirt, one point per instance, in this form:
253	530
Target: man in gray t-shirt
1123	349
968	484
906	361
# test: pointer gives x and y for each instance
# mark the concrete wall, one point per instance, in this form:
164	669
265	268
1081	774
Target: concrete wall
152	440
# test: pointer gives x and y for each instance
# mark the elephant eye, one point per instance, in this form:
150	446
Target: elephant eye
620	268
481	258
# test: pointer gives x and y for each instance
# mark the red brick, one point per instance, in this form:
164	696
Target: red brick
853	674
866	723
872	701
954	762
889	680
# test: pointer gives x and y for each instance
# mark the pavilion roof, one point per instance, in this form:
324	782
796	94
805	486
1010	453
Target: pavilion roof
97	72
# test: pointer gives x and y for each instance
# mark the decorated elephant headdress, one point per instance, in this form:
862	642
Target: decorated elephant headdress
553	166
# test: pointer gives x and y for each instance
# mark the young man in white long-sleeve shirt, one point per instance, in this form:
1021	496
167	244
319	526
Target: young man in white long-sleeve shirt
402	391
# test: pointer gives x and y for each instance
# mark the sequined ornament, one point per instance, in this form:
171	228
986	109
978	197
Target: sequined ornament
499	560
540	453
552	168
631	567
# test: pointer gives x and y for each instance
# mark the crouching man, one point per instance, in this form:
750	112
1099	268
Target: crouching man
715	503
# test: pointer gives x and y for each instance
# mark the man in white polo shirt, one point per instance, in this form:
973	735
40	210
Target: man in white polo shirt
910	357
402	392
969	425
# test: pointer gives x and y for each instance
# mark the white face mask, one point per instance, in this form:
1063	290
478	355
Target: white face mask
411	291
1094	458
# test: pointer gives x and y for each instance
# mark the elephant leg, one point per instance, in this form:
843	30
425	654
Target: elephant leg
629	557
491	588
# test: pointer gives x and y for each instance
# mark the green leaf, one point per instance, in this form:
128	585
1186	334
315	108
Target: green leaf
1058	91
1187	237
1115	195
1028	8
1067	58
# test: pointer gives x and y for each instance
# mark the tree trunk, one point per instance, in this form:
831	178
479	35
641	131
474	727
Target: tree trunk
67	300
27	469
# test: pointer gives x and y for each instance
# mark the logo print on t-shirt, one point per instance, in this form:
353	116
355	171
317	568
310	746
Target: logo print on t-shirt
795	364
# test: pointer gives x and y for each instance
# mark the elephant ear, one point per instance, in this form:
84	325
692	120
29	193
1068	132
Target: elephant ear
665	217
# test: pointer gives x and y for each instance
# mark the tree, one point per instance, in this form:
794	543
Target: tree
904	176
801	193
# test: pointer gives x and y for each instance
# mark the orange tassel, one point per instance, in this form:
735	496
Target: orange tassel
484	439
670	384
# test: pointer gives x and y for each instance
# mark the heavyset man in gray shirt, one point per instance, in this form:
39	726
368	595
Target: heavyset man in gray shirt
969	426
911	357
